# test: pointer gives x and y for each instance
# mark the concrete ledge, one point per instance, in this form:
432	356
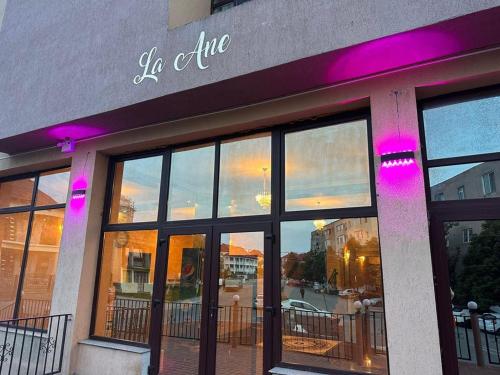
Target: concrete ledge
115	346
107	358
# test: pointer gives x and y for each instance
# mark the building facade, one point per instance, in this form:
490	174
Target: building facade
250	187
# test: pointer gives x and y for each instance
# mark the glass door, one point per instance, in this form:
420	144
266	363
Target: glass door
178	331
240	308
466	256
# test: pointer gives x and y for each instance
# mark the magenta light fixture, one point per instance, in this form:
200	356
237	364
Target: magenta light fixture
78	194
397	159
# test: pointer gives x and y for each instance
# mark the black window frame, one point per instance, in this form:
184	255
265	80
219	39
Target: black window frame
31	209
451	210
277	213
440	101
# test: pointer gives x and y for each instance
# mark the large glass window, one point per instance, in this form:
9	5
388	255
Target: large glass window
245	176
136	189
41	266
31	295
16	193
468	128
327	167
327	268
191	187
126	285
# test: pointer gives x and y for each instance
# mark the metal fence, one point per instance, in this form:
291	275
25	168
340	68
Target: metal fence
27	308
319	333
33	346
477	342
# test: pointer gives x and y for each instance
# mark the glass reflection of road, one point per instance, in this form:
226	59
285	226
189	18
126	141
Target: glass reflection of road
322	301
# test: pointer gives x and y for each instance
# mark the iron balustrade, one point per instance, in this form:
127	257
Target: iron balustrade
488	335
128	319
33	346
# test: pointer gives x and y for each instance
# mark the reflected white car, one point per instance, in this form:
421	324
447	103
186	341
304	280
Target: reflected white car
304	308
348	293
489	322
461	315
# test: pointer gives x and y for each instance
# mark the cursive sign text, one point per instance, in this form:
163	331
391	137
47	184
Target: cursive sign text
202	50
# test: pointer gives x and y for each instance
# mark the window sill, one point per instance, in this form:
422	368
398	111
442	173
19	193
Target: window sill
115	346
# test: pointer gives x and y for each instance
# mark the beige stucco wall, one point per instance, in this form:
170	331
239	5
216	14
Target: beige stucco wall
412	331
181	12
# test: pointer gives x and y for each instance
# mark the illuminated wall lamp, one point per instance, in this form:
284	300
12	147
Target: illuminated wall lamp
78	194
397	159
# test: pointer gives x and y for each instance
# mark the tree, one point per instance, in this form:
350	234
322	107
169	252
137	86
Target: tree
480	278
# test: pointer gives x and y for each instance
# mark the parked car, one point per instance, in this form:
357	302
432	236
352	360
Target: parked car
317	287
461	315
489	322
232	285
259	301
348	293
304	308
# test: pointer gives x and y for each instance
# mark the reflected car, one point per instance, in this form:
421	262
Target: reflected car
259	301
303	308
348	293
317	287
489	322
461	315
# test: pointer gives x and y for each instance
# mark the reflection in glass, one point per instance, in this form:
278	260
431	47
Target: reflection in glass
245	176
180	344
465	181
191	183
327	265
16	193
240	319
475	130
53	187
473	251
13	229
327	167
126	285
43	252
136	189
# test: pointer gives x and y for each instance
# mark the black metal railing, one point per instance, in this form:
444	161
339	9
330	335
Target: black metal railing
33	346
319	333
486	335
27	308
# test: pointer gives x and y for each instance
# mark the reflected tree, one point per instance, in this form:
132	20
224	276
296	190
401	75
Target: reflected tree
480	279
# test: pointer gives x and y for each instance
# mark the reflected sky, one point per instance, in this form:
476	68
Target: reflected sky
191	183
327	167
440	174
54	185
467	128
296	235
141	185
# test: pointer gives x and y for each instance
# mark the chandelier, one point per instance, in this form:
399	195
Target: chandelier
264	197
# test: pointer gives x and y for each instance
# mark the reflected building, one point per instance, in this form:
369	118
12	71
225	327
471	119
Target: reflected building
477	182
239	261
351	251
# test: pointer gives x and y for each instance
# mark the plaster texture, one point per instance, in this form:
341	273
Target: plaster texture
95	358
412	330
66	60
76	269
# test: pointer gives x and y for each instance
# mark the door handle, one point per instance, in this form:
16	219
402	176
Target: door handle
156	302
213	310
